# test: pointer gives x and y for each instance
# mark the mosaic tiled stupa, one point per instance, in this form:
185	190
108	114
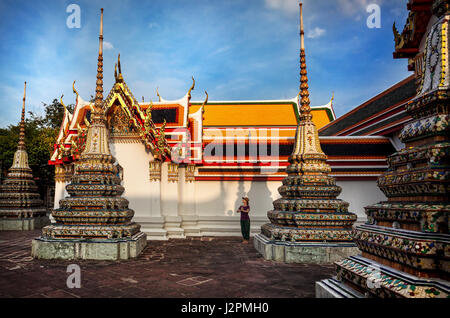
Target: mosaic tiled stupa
21	207
308	224
94	222
405	243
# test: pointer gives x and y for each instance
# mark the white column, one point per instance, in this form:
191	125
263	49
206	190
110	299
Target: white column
154	225
169	200
187	206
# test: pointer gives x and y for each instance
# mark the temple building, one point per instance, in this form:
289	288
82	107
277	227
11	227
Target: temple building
21	207
404	245
308	224
185	165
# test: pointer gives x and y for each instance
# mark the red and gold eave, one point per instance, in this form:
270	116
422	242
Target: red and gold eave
408	41
184	121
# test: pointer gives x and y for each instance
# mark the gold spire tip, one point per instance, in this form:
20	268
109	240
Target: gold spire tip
302	30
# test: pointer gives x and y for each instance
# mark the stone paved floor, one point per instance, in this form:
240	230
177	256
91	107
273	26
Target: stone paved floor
191	268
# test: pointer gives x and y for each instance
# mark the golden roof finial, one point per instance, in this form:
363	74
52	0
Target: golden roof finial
148	111
119	77
157	94
73	89
305	109
99	87
192	87
205	102
302	30
206	99
62	103
22	120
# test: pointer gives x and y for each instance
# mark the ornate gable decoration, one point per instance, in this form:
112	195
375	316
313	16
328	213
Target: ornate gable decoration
119	124
129	118
407	42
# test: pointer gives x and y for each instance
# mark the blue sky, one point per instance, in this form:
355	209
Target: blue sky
236	50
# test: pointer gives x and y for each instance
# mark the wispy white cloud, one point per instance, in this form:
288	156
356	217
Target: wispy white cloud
316	33
107	45
221	50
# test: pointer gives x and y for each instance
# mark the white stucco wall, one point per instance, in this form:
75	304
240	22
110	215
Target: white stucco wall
138	189
360	194
60	193
222	198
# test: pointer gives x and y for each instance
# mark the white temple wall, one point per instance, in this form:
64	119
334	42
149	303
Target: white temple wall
186	195
170	204
169	193
217	202
60	192
144	196
187	208
134	160
360	194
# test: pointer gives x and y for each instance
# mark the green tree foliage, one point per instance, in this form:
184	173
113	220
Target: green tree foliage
40	135
53	115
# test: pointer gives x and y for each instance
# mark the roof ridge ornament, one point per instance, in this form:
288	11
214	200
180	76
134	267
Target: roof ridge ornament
62	103
204	103
157	94
206	99
73	89
118	75
192	87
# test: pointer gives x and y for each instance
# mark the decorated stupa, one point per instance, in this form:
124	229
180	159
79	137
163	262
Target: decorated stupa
405	244
308	224
21	207
94	222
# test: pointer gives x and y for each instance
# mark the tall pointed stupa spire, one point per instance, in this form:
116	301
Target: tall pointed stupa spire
20	205
305	109
94	214
22	121
97	136
308	210
99	86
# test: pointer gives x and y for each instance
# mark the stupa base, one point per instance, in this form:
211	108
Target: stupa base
306	253
23	224
100	249
359	277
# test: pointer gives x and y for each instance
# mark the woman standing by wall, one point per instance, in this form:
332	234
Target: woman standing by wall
244	210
